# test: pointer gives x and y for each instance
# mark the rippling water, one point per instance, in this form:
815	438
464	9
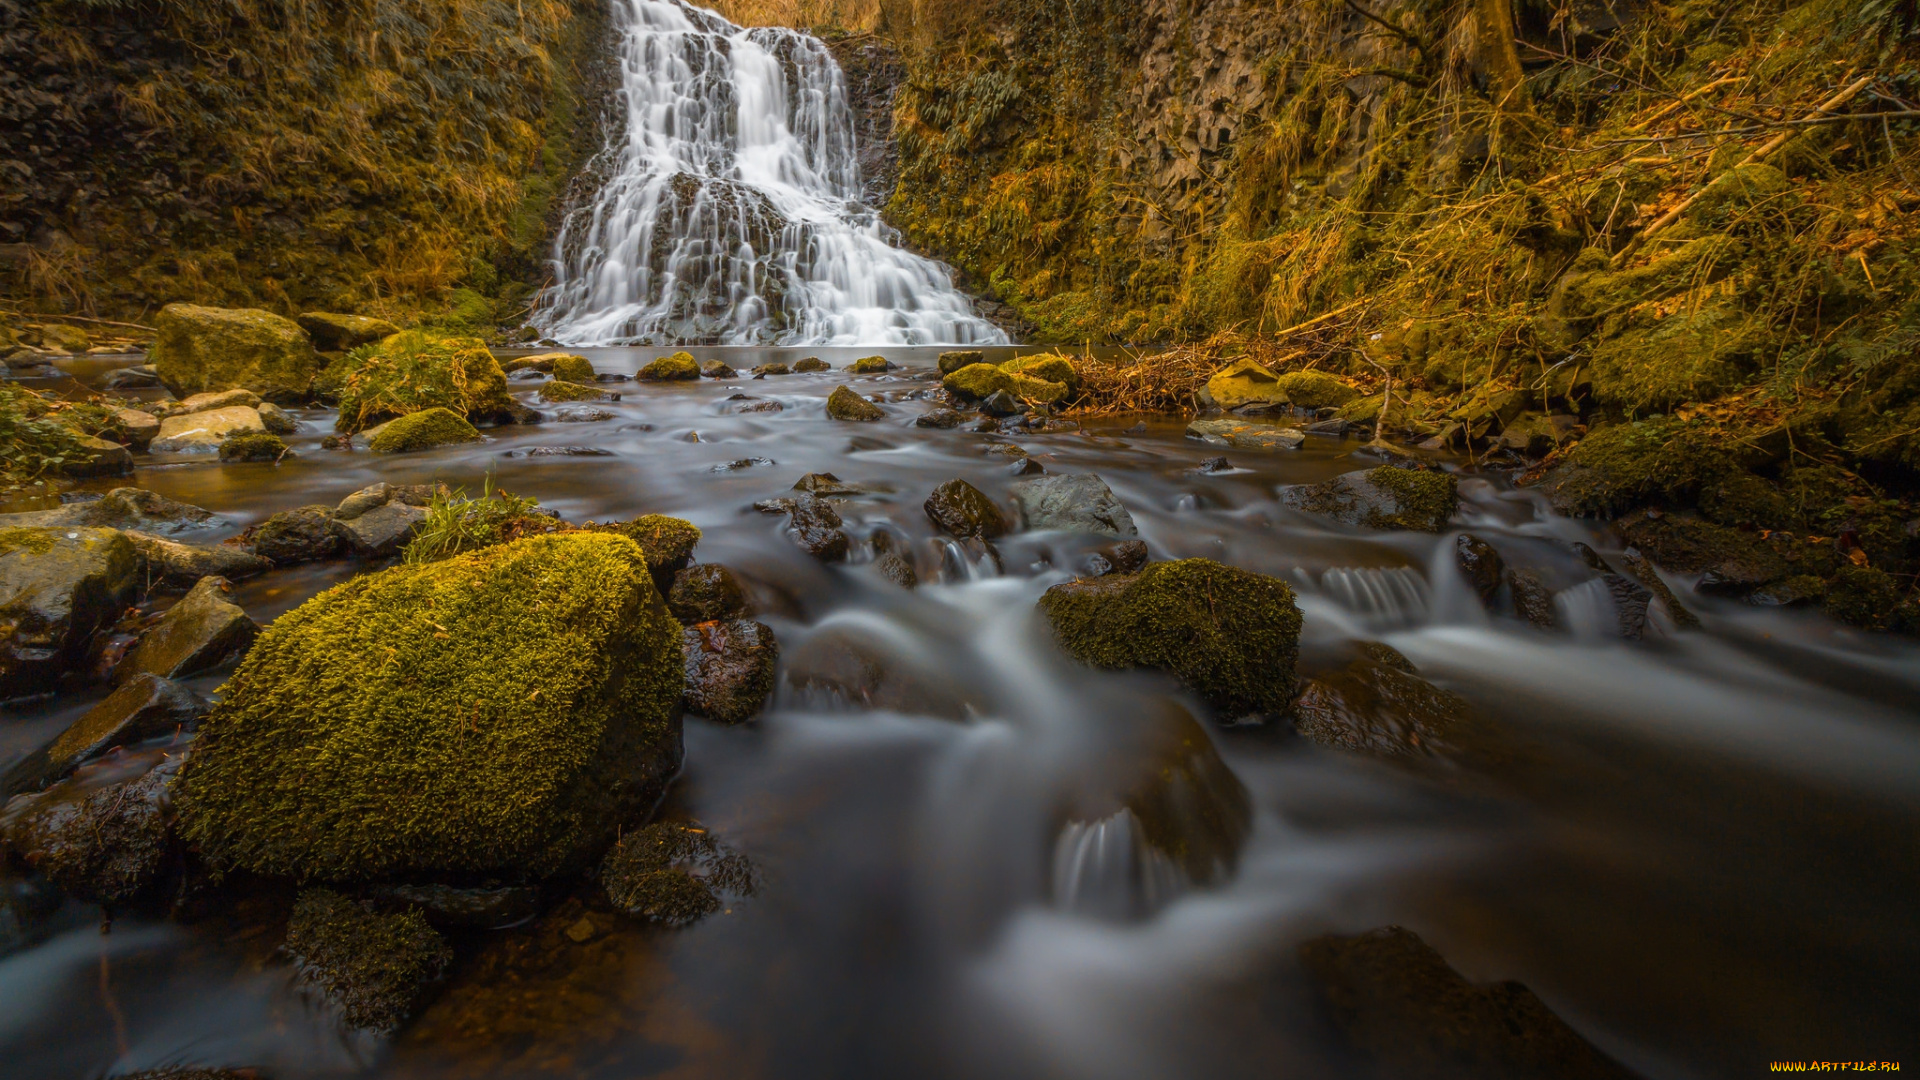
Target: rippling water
1700	850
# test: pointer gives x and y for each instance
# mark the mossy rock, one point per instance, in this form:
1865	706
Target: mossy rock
415	372
1691	356
57	587
672	874
810	365
869	365
254	446
424	431
1863	596
1057	369
560	392
202	349
1623	465
983	380
1316	390
1382	498
710	593
1230	635
680	367
845	404
376	968
500	713
667	543
1245	383
101	845
542	363
339	333
951	362
570	368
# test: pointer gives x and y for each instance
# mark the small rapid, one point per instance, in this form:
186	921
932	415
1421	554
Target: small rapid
733	213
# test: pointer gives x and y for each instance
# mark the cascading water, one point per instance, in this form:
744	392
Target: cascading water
733	211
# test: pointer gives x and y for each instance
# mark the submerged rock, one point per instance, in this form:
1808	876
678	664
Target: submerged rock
941	420
101	845
375	968
424	431
57	587
1229	635
254	446
121	508
498	713
844	404
1482	565
1379	707
963	510
340	333
201	632
1383	498
729	669
1080	503
1400	1004
1532	599
708	593
201	349
1124	558
294	536
815	525
680	367
673	874
144	707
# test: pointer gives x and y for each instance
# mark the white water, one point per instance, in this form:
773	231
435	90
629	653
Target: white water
733	211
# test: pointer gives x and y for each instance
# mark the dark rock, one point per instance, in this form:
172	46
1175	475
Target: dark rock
810	365
582	414
121	508
1592	558
57	587
941	420
717	369
379	521
673	874
1532	599
1126	558
144	707
1001	403
753	407
171	565
26	904
494	907
745	463
764	370
858	668
1400	1004
1080	503
730	668
898	569
616	377
337	443
1482	565
201	632
1793	591
100	845
844	404
871	365
1229	635
537	452
1380	708
1213	466
816	527
377	969
97	457
1643	570
1026	466
709	593
951	362
1630	602
141	377
827	485
963	510
294	536
1382	498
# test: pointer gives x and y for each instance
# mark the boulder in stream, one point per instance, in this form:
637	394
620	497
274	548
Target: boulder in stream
121	508
1384	498
1481	564
254	446
201	349
871	365
293	536
981	381
423	431
340	333
941	420
680	367
204	432
201	632
667	543
717	369
811	365
144	707
1229	635
94	457
1081	503
1378	705
501	713
951	362
707	593
375	967
378	521
963	510
208	402
729	669
106	845
673	874
815	525
57	587
845	404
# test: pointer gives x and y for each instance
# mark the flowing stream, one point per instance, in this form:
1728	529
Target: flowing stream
732	213
1699	849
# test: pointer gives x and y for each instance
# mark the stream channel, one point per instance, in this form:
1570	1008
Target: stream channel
1699	849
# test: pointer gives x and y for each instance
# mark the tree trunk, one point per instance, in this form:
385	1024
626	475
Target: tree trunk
1499	55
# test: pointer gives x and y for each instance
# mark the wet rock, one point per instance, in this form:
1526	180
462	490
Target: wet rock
827	484
759	407
844	404
121	508
94	457
1383	498
424	431
963	510
860	668
201	632
277	420
101	845
57	587
1532	599
529	693
376	968
1377	707
1128	558
1080	503
139	377
144	707
941	420
816	527
337	443
382	532
199	349
1482	565
203	432
294	536
708	593
1400	1004
1730	562
729	669
1230	635
1000	403
771	369
1215	466
254	447
375	496
667	543
745	463
583	415
673	874
897	568
1630	603
1796	591
561	392
141	427
1864	596
680	367
538	452
1643	571
210	402
717	369
951	362
343	333
1245	436
1328	427
494	907
810	365
612	377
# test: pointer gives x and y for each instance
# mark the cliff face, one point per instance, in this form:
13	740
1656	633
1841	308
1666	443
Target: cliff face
291	154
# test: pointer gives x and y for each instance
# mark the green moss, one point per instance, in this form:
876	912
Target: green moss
31	541
560	391
808	366
200	350
376	968
667	541
1424	498
1056	369
455	524
253	446
680	367
846	404
500	713
870	365
573	369
1623	465
1864	597
1316	390
672	874
983	380
423	431
414	372
1229	635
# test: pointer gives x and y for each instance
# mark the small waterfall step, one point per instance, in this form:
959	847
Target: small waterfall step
733	212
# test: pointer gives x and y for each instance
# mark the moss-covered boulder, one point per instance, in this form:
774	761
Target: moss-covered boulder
1230	635
1621	466
339	333
254	446
1245	383
415	372
424	431
680	367
673	874
982	381
870	365
811	365
574	369
707	593
667	543
562	392
951	362
1316	390
57	587
375	967
500	713
775	369
1383	498
845	404
201	349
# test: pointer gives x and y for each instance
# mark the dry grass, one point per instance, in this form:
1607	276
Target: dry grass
1166	381
859	15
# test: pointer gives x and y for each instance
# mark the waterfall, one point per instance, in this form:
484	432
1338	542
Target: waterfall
732	214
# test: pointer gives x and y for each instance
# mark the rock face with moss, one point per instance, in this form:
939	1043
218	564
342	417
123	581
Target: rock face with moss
57	587
500	713
1383	498
375	967
254	446
424	431
560	392
1230	635
666	542
568	367
201	349
416	372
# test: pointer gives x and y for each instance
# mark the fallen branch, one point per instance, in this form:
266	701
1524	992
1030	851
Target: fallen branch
82	318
